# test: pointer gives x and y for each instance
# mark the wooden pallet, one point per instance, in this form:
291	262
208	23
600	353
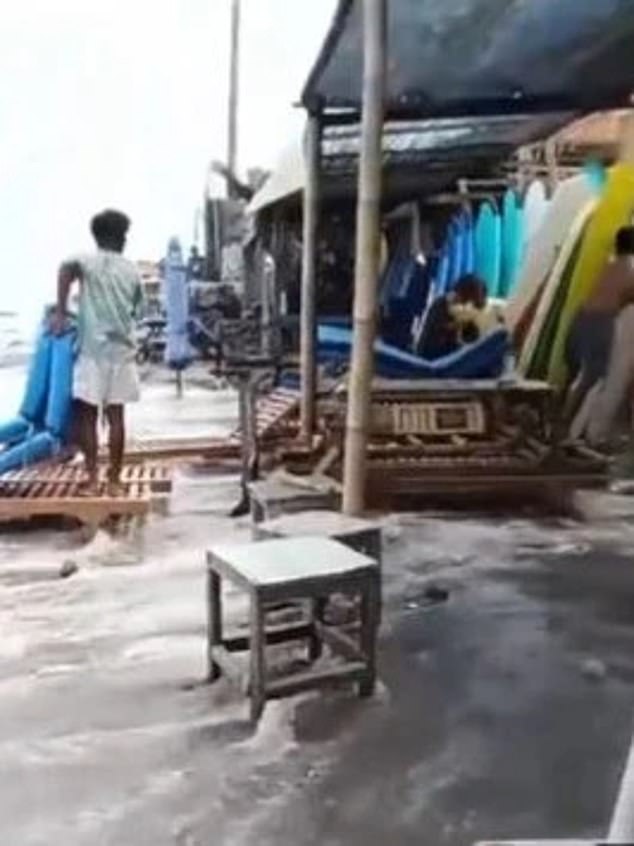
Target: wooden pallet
271	410
54	491
157	476
274	413
170	449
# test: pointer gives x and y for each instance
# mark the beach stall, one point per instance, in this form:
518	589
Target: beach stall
378	63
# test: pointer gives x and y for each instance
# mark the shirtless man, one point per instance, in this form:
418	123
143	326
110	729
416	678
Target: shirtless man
589	341
105	376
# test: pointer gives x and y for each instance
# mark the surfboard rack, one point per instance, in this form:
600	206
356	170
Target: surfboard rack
54	491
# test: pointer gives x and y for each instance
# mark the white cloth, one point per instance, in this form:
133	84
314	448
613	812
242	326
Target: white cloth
101	382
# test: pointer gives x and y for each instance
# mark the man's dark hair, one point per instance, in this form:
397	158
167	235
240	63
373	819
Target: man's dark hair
625	241
471	289
110	229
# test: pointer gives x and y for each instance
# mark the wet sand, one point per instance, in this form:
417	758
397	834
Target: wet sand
485	724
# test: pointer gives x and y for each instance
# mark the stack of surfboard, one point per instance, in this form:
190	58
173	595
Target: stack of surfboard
564	258
492	241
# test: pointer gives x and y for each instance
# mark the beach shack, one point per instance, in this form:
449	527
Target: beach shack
400	62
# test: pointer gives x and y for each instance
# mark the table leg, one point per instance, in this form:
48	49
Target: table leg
375	551
257	685
317	610
370	612
214	621
245	426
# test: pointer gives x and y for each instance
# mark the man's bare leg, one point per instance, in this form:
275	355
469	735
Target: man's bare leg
575	397
116	446
89	444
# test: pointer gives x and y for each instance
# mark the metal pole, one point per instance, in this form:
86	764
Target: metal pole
234	90
308	328
368	253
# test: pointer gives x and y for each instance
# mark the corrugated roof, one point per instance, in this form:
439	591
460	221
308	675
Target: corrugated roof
452	57
418	155
418	141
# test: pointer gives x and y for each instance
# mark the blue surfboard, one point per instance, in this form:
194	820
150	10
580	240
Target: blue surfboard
512	243
488	236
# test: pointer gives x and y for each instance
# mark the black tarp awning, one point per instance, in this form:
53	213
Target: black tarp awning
471	57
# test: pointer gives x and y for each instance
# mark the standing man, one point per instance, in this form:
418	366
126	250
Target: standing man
106	376
589	342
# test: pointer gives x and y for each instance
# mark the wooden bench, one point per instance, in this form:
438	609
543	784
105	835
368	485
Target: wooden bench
274	497
363	536
306	569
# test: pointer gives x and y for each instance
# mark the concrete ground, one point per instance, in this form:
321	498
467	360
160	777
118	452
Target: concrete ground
504	712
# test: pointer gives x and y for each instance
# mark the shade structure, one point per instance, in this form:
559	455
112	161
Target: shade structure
483	57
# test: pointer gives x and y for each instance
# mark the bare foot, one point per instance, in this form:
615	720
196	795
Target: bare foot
89	488
115	490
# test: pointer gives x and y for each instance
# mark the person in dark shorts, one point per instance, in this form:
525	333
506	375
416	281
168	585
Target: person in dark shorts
589	341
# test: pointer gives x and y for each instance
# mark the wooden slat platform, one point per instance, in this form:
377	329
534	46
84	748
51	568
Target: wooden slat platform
272	410
274	414
156	476
54	491
170	449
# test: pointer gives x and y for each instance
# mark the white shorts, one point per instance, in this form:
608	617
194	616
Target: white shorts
105	382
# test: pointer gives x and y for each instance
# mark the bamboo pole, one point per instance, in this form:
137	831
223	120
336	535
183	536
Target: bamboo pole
308	328
368	254
234	93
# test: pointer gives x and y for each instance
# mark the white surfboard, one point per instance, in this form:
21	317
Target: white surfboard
536	205
569	198
563	256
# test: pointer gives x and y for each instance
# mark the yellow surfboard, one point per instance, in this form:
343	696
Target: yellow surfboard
615	209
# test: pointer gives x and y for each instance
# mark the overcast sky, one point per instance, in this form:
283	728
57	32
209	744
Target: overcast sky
123	103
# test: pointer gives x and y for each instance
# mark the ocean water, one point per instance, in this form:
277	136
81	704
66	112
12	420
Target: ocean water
17	334
204	411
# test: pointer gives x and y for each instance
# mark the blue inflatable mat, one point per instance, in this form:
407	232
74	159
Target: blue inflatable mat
60	397
14	431
482	360
41	427
39	447
33	408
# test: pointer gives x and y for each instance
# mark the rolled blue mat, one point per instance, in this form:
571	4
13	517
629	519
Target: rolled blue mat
36	448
